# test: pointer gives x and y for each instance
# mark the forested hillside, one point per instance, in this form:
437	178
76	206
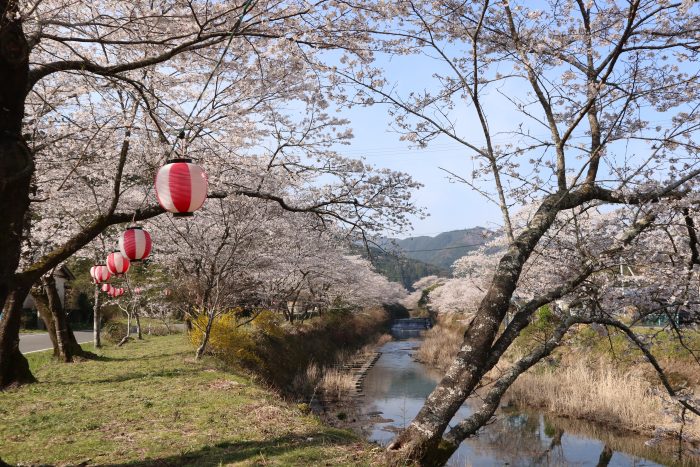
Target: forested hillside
441	250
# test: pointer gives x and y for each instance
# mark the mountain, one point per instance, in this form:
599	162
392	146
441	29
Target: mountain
441	250
399	268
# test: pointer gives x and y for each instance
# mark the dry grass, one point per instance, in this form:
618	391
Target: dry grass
337	383
594	390
441	343
587	380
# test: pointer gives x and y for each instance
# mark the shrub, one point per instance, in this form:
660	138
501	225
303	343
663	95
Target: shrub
292	357
114	331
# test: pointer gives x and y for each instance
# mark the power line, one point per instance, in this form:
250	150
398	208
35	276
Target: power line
445	248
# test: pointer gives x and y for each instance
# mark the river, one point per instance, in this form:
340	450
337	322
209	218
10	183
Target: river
397	385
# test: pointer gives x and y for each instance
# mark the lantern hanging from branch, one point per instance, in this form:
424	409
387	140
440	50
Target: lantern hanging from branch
117	263
99	273
106	288
181	187
135	243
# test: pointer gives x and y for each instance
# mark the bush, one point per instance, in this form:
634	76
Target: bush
114	331
285	355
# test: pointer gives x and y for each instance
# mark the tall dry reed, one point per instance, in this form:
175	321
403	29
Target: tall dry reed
597	390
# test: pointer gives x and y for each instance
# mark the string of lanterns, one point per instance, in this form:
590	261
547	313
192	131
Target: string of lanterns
181	189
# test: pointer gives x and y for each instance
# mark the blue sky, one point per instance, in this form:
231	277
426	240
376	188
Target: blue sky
450	205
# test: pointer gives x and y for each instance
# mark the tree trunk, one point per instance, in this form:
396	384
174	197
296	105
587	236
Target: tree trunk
139	334
48	304
96	319
68	346
205	339
14	368
41	300
16	160
420	441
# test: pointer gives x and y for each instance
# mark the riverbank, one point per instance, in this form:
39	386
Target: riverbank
150	403
593	376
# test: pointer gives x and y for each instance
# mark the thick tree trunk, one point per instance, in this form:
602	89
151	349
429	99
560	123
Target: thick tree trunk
16	161
14	368
96	319
420	441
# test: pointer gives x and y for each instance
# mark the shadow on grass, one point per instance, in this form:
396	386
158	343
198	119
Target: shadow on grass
237	451
91	356
151	374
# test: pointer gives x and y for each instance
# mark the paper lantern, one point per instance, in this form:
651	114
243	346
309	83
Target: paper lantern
117	263
138	290
99	273
135	244
107	288
181	187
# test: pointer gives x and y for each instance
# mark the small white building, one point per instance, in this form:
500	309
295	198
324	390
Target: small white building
62	276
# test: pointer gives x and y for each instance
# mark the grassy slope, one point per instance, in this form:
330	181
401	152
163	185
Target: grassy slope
149	403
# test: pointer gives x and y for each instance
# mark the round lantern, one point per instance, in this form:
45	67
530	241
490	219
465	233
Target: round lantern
99	273
135	244
107	288
181	187
138	290
117	263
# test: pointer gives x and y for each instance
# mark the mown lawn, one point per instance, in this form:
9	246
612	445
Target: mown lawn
150	403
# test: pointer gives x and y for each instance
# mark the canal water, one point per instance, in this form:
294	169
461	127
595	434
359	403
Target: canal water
397	385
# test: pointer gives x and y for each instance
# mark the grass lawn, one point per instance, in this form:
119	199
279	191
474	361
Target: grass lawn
150	403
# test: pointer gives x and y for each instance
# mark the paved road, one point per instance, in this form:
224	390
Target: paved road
41	341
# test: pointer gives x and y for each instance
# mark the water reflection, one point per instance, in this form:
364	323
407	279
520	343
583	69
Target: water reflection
397	386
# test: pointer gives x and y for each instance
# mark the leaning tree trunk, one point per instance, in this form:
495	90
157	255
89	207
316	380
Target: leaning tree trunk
41	300
420	441
96	319
68	346
14	368
205	339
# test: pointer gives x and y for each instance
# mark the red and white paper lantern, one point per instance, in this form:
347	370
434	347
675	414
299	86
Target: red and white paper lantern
99	273
107	288
181	187
117	263
135	244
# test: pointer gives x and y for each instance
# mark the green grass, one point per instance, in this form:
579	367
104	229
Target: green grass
150	403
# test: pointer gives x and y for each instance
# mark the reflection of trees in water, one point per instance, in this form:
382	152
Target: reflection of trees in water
518	439
529	439
665	452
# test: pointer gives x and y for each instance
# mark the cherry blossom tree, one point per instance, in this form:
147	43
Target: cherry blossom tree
95	96
601	111
242	256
